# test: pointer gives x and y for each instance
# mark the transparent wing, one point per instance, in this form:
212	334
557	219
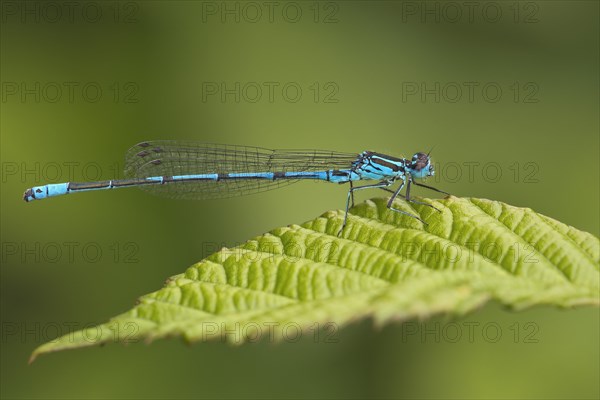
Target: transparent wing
168	158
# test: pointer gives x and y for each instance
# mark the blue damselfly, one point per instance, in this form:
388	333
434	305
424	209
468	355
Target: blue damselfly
194	170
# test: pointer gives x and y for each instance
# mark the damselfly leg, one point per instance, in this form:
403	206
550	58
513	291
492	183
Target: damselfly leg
391	202
431	188
351	195
410	200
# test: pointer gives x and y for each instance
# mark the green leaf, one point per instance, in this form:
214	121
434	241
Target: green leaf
385	265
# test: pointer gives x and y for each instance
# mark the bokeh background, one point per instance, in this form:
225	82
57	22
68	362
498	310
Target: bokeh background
507	92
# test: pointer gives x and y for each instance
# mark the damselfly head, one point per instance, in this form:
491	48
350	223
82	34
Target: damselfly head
420	166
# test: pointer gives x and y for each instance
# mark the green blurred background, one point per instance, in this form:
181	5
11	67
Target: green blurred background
83	81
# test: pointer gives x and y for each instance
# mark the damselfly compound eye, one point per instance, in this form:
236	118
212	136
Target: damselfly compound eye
419	161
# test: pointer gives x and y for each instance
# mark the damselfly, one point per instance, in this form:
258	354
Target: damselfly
193	170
